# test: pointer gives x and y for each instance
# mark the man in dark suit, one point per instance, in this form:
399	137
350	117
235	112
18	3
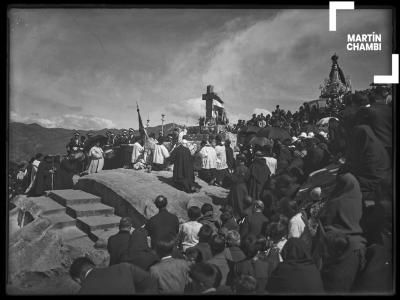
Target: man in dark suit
254	223
119	279
379	117
164	223
118	244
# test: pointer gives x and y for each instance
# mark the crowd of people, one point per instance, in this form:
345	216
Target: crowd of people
307	113
265	241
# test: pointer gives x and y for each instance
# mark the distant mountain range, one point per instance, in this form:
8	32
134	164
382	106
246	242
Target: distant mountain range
25	140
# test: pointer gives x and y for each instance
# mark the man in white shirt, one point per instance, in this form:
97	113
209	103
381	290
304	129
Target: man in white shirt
188	231
208	163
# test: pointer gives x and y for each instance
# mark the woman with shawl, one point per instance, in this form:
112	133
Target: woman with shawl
259	174
297	274
96	159
368	159
341	235
238	192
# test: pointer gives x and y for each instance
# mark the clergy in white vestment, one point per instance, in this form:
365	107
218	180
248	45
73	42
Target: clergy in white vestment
222	166
208	163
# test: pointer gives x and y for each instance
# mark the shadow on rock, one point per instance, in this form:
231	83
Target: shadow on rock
217	200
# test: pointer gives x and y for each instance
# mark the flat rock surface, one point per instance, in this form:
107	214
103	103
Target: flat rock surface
139	189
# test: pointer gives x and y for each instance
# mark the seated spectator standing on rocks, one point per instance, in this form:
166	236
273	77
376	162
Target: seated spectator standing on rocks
259	174
238	192
342	235
380	118
230	159
119	279
298	228
228	222
162	224
368	161
193	255
208	217
217	245
256	221
297	274
139	253
118	244
271	161
188	232
203	277
27	179
171	273
252	265
43	178
277	233
160	155
205	234
246	285
235	254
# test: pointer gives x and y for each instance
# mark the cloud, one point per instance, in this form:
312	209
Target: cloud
71	62
284	59
67	121
190	109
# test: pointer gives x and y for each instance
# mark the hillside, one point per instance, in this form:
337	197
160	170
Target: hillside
25	140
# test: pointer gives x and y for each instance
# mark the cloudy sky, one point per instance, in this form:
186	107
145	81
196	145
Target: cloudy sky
86	68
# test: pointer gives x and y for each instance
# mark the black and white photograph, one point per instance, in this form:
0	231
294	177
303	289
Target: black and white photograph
201	150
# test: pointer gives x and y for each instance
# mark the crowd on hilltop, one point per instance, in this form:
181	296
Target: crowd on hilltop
309	113
266	241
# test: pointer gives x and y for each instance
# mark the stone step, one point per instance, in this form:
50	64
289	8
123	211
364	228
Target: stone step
70	233
89	209
85	243
72	197
103	233
89	224
48	206
61	220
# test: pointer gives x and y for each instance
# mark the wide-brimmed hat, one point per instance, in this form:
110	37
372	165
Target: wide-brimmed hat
315	193
310	135
294	139
323	134
258	154
303	135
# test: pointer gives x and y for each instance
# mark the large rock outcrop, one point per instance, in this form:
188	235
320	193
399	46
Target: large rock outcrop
34	248
132	193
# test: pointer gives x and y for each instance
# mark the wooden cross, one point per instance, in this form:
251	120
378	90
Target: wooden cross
209	97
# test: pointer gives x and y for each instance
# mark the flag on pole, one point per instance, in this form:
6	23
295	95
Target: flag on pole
142	130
